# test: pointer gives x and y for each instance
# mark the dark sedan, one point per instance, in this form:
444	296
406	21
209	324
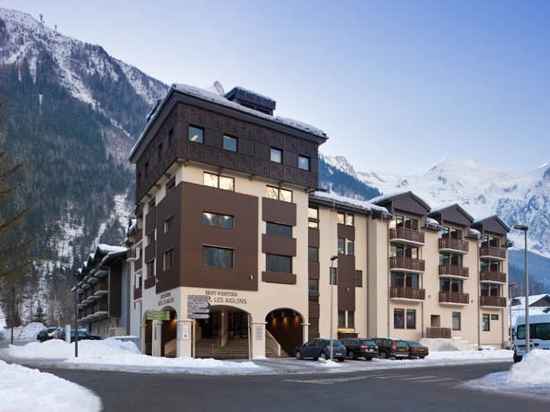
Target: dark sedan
320	348
417	351
82	335
361	348
46	334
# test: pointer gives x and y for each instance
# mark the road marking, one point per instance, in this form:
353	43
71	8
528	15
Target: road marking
438	380
417	378
331	381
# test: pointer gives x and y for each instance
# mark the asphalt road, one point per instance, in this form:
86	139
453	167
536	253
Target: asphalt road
423	389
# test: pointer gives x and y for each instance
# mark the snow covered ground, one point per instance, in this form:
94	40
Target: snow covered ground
24	389
528	377
25	333
111	354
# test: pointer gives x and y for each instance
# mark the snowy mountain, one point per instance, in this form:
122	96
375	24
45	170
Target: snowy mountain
73	114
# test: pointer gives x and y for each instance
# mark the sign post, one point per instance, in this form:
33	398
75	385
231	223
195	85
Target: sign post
198	307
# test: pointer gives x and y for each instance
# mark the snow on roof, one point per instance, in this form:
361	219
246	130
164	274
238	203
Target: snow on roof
532	299
474	233
518	314
111	249
213	97
362	204
387	196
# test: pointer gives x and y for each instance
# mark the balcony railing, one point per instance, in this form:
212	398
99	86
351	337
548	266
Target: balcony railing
493	277
454	297
454	270
411	235
438	333
494	252
408	293
495	301
407	263
453	244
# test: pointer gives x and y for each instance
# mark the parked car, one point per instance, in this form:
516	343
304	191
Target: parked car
539	335
360	348
392	349
320	348
417	351
47	334
82	335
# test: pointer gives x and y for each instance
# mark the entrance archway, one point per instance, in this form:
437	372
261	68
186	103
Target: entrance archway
224	335
169	332
285	326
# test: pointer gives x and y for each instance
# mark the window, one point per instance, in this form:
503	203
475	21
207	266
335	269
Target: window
341	218
276	193
351	319
277	229
489	289
168	260
276	155
217	257
303	162
494	316
313	254
449	285
151	269
137	280
346	246
411	319
195	134
217	181
333	276
349	219
405	280
278	263
399	319
486	322
215	219
230	143
350	247
168	223
313	287
341	246
457	321
342	319
313	218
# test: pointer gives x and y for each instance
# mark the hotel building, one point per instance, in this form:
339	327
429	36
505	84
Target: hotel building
235	252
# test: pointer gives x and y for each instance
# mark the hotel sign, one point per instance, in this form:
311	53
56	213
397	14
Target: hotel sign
157	315
223	297
198	307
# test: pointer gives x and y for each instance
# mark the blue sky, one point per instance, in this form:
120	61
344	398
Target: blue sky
397	85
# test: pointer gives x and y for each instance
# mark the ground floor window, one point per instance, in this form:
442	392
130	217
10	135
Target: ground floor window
399	319
457	321
411	319
486	322
346	319
341	318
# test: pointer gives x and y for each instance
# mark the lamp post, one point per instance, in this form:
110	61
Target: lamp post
333	277
511	287
76	323
524	229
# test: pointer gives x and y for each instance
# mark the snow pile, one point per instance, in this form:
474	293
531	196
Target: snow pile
23	389
463	355
116	355
533	370
30	331
447	345
327	363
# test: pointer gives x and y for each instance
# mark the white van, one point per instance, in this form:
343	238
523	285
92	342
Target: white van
539	334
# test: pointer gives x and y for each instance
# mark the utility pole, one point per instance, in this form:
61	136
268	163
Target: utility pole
524	229
75	324
12	312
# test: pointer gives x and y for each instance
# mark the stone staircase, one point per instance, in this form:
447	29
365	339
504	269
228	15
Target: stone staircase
236	348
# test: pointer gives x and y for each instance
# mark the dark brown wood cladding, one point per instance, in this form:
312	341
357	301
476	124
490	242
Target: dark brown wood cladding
313	237
454	215
242	239
253	156
346	231
137	292
150	253
151	221
346	282
278	211
169	212
115	289
278	245
279	277
313	270
314	310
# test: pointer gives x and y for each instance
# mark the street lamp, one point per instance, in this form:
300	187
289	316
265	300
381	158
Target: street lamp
511	287
333	278
524	229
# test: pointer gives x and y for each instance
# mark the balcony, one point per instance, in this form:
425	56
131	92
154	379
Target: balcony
454	298
499	277
407	264
493	301
407	293
454	270
401	234
149	282
492	252
438	333
453	245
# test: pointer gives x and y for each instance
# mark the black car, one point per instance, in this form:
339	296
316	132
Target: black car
320	348
417	351
82	335
361	348
46	334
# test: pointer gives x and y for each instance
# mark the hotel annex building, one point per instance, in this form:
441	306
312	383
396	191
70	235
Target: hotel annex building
229	212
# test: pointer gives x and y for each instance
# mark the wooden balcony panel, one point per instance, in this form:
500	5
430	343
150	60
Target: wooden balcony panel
407	293
438	333
493	277
407	263
494	252
494	301
454	270
454	297
411	235
454	244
